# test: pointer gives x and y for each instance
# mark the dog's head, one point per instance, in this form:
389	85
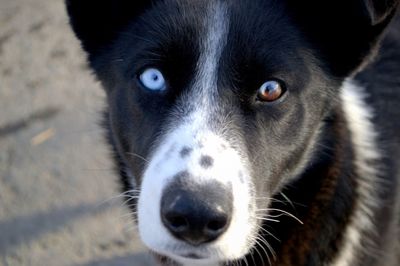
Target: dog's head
214	106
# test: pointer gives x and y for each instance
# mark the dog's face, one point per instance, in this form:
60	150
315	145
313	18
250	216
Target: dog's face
223	116
214	106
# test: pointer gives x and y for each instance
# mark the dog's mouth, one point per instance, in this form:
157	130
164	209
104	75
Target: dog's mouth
190	258
193	256
188	255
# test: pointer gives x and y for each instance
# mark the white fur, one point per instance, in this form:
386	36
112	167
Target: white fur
195	132
358	116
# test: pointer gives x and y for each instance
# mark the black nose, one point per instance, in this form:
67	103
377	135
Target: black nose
196	214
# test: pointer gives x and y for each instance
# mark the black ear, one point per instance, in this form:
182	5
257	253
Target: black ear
97	22
380	10
344	31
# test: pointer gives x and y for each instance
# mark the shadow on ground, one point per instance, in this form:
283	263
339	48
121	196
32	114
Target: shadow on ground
141	259
27	228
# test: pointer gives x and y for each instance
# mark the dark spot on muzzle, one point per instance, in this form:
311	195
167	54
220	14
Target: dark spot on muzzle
206	161
185	151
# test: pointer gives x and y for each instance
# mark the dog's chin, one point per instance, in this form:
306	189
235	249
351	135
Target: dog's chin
186	255
183	261
195	259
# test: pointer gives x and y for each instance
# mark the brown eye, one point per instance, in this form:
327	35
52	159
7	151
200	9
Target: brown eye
270	91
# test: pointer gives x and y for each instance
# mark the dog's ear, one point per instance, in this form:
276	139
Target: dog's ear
97	22
380	10
345	31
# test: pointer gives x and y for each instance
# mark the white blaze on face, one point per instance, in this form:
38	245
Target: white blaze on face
206	155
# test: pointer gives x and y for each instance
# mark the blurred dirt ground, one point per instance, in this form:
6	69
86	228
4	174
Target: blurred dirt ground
56	179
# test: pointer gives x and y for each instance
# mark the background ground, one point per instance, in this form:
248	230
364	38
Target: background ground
56	182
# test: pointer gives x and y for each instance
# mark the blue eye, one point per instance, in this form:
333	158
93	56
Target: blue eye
152	79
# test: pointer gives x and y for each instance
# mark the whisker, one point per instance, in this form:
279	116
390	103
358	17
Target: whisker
287	199
269	247
130	214
267	219
258	252
288	214
252	256
284	213
268	233
137	156
128	200
121	195
245	261
265	242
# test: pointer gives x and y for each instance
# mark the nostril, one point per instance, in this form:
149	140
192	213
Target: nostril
217	224
176	222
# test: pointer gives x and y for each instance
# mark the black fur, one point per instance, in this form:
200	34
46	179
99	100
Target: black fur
312	46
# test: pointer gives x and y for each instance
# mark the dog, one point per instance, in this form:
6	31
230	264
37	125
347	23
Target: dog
253	132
